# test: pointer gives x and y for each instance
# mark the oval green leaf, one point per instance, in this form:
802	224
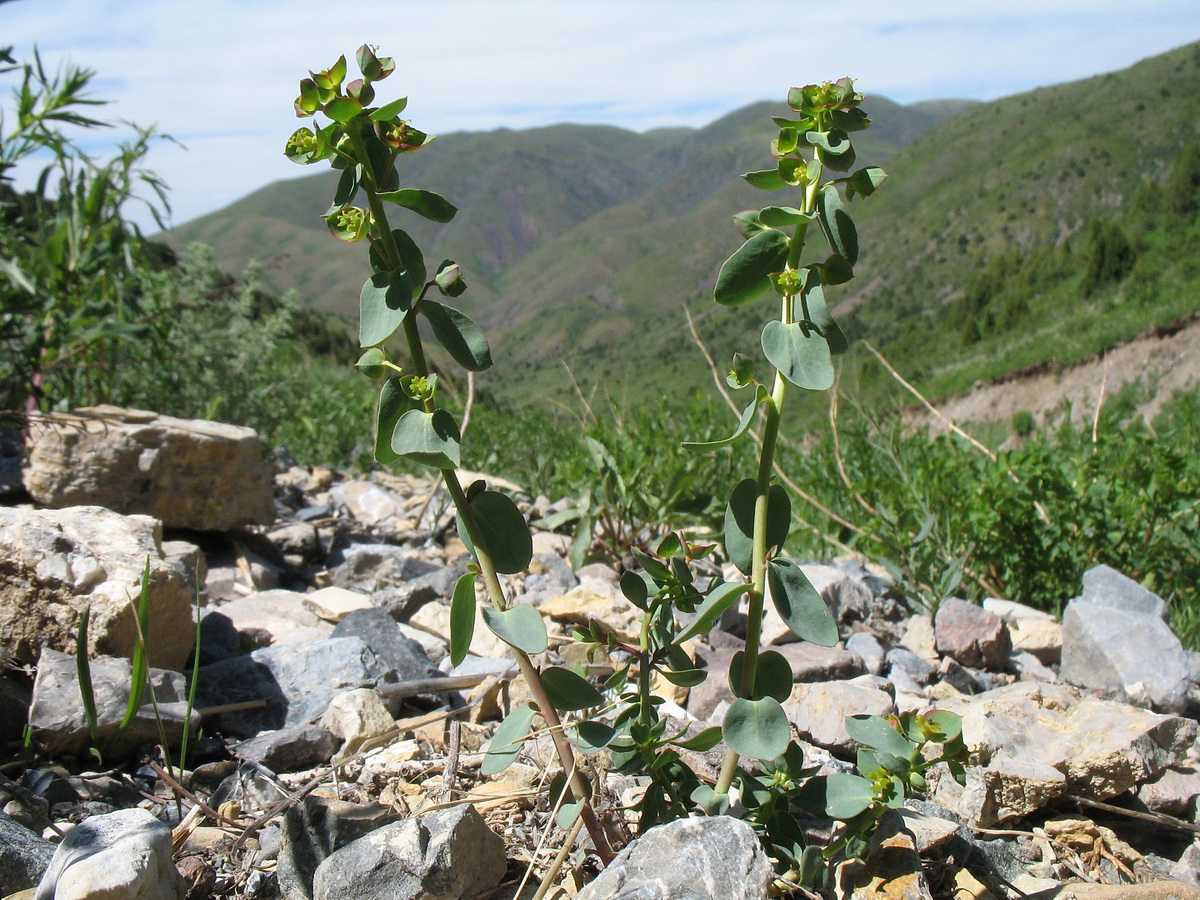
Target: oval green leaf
462	338
520	626
836	223
591	737
847	795
462	618
757	728
766	179
739	522
779	216
799	603
702	742
382	304
745	274
568	690
424	203
684	677
506	743
393	403
719	599
813	299
878	734
428	438
504	532
772	679
800	353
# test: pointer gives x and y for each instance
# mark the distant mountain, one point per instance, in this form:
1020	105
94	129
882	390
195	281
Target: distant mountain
584	243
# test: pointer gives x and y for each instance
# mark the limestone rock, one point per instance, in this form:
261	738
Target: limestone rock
819	710
356	717
1009	788
390	642
187	473
281	614
1101	747
920	637
332	604
971	635
598	601
446	855
54	563
891	871
812	662
290	749
688	859
57	715
125	854
1117	650
1031	630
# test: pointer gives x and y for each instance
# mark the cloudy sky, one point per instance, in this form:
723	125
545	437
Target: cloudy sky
220	75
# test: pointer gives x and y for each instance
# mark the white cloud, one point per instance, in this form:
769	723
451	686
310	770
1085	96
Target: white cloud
220	75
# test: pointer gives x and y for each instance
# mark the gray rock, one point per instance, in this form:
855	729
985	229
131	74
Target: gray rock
297	682
187	473
688	859
446	855
368	567
380	632
124	854
1106	587
23	856
1129	653
59	722
870	649
316	829
971	635
290	749
219	637
54	563
908	672
812	662
704	697
14	710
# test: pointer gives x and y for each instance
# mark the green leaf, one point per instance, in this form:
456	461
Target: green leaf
83	670
780	216
847	795
635	589
382	305
346	189
835	270
371	362
428	438
410	256
836	223
505	534
462	338
684	677
591	737
743	425
393	403
506	743
424	203
519	626
773	677
342	109
569	691
800	353
137	677
878	734
389	111
767	179
799	604
739	521
702	742
748	222
709	801
462	618
745	274
865	182
719	599
813	301
757	728
949	725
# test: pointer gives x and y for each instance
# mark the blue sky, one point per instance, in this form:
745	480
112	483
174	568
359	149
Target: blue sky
220	75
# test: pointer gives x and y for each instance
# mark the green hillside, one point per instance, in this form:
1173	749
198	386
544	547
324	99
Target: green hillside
584	243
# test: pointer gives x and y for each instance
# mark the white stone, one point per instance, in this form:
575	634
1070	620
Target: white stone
335	603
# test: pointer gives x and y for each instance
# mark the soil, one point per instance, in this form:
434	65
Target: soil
1164	360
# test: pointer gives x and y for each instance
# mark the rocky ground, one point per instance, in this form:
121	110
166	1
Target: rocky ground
335	752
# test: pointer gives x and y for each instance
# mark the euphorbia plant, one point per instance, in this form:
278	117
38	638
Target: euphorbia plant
365	142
